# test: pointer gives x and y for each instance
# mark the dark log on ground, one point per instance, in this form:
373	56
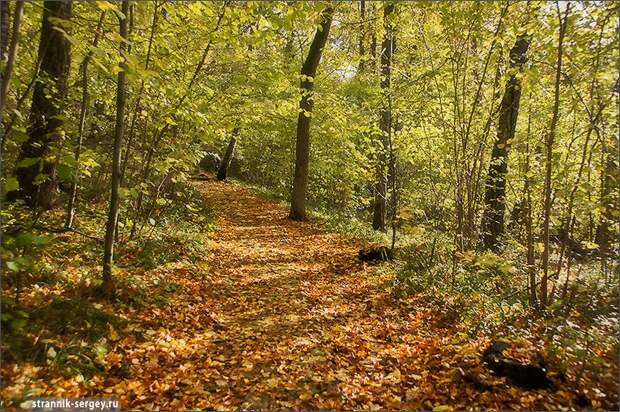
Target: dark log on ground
519	374
204	177
378	254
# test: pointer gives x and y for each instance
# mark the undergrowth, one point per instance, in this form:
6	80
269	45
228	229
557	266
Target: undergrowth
51	314
484	296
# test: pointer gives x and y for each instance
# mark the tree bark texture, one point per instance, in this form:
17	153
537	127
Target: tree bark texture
550	138
119	130
228	155
306	104
495	191
36	175
385	123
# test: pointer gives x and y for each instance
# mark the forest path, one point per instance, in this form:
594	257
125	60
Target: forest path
283	315
302	322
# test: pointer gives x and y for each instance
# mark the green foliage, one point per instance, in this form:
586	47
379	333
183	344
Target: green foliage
196	71
14	320
30	333
67	316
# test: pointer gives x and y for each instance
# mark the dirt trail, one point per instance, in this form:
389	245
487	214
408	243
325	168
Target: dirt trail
297	310
282	315
286	316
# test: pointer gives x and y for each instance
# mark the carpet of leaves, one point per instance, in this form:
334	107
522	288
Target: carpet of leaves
282	315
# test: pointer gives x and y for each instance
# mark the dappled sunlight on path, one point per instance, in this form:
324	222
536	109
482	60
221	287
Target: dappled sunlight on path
290	318
282	315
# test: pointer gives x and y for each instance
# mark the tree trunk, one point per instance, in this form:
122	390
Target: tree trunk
393	188
373	38
12	51
549	158
495	191
362	38
108	253
527	211
4	29
385	122
82	122
225	163
37	179
138	104
610	176
302	148
9	57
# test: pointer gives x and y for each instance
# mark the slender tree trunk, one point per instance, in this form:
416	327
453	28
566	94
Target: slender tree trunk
567	279
82	122
373	37
393	189
36	178
225	163
138	104
4	29
362	38
610	177
495	191
385	122
549	157
132	8
9	57
527	210
306	104
108	253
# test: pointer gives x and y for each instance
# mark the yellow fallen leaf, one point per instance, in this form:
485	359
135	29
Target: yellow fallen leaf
395	375
412	394
113	334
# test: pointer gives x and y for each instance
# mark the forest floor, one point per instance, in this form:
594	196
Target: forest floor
282	314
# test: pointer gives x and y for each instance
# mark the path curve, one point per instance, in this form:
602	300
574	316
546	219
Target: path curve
282	315
302	306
